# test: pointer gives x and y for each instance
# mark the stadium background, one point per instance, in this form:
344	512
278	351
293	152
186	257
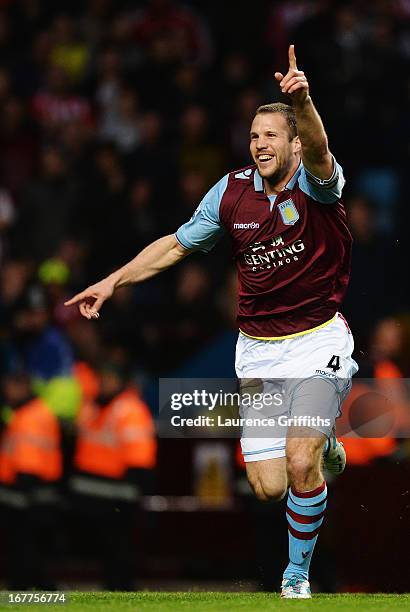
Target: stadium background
116	118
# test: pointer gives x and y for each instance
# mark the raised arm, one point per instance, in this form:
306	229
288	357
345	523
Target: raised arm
155	258
316	156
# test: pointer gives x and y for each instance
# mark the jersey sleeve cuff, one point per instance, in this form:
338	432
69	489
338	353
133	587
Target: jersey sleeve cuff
325	183
178	239
188	248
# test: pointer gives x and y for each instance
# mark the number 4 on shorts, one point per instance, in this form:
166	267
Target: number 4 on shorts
334	363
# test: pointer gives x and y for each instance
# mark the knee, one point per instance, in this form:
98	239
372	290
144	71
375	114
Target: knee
301	469
265	491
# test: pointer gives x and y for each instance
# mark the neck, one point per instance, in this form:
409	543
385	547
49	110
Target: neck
275	186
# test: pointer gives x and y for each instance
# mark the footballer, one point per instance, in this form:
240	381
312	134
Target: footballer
292	249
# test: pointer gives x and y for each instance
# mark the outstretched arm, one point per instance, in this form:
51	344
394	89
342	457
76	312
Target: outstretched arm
200	233
316	156
155	258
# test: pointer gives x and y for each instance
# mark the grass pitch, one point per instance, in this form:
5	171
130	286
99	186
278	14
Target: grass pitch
217	602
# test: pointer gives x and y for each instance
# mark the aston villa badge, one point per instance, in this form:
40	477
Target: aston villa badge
288	212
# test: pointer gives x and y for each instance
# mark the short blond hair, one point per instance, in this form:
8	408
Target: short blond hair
283	109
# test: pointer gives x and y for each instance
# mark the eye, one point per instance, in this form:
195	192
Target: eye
272	134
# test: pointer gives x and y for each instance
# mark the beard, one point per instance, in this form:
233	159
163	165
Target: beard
278	174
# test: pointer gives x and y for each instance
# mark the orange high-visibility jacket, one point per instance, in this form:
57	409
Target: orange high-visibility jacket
362	451
31	444
87	379
116	437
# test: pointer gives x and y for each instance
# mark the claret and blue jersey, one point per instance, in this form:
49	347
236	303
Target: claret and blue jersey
292	250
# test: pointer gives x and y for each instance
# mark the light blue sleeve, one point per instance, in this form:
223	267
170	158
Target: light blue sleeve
324	191
204	229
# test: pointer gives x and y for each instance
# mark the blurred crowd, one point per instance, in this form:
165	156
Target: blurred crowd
116	118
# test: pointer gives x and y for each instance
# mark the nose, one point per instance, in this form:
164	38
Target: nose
260	144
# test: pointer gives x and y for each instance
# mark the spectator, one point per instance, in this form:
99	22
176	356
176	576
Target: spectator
197	152
45	350
49	207
154	147
19	146
56	104
30	472
68	51
108	88
114	457
373	254
185	33
123	128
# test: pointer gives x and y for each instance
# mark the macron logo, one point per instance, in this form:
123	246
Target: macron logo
252	225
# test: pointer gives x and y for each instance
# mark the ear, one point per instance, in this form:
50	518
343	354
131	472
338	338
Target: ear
296	145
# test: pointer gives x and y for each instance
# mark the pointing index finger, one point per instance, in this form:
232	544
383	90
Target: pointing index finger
292	58
74	299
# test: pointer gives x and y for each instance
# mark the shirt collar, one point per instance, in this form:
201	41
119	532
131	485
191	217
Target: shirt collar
258	181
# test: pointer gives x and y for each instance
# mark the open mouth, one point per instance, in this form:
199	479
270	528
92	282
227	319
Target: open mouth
265	159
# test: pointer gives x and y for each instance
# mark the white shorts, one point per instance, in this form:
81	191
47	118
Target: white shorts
313	370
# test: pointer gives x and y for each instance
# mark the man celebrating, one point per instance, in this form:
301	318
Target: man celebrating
292	249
